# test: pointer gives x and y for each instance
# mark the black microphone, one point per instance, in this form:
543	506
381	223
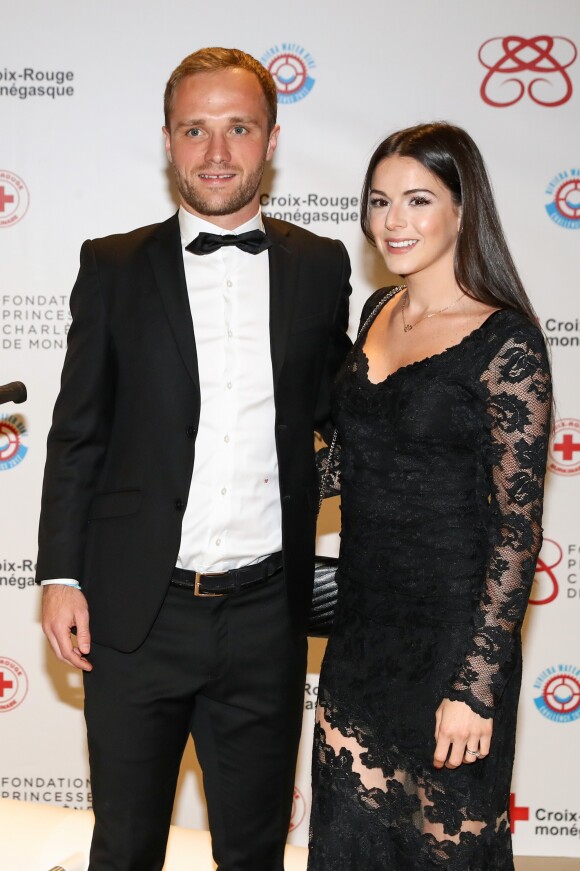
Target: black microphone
13	392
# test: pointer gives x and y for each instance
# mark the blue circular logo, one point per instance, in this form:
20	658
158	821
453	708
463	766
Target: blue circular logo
559	696
291	67
13	438
564	205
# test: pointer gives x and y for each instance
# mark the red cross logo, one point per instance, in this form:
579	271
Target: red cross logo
13	684
5	684
14	198
567	446
5	198
517	813
298	809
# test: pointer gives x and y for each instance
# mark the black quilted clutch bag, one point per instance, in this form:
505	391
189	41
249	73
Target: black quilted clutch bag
325	591
324	596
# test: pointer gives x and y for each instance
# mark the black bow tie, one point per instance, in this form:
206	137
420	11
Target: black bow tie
253	242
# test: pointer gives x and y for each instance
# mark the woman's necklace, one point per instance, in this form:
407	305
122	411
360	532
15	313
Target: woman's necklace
405	304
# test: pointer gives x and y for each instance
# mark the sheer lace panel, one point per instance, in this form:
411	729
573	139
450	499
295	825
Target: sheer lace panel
412	805
518	401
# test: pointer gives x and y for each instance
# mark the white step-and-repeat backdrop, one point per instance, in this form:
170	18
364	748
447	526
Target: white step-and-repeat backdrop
81	155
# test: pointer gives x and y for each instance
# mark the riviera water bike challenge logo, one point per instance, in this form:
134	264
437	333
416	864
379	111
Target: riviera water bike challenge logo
13	441
559	693
14	198
564	193
291	68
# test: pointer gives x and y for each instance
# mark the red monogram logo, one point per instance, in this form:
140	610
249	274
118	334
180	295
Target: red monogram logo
546	585
544	58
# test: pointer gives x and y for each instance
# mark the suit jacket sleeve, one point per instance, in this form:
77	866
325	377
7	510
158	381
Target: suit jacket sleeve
78	436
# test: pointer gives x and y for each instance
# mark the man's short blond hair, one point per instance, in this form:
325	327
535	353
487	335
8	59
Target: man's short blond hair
208	60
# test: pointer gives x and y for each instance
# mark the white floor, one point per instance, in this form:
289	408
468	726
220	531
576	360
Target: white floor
61	837
544	864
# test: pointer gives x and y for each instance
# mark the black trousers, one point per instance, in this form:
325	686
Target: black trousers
230	671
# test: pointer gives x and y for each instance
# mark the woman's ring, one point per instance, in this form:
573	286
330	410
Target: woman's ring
473	752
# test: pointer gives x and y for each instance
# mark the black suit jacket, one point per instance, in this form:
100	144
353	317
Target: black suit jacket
122	443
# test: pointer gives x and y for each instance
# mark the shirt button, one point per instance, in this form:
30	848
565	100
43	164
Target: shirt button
178	505
224	491
226	439
230	334
218	541
229	283
229	385
190	432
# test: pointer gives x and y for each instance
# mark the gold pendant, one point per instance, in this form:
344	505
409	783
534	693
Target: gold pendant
408	327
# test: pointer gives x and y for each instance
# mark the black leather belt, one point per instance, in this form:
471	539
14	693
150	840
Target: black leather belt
225	583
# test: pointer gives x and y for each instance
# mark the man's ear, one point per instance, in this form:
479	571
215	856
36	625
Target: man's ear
167	136
273	141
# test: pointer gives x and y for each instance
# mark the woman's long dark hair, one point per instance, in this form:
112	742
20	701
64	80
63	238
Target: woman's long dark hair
484	268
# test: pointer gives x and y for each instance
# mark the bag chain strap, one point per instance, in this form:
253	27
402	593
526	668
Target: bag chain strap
368	321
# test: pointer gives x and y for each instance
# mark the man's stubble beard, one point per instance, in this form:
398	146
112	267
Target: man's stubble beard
219	204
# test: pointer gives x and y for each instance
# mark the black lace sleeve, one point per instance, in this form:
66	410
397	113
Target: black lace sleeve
517	390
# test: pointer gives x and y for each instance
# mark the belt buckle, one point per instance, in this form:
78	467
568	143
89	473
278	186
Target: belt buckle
197	592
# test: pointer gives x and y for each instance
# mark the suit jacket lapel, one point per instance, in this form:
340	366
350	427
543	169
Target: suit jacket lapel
166	259
283	281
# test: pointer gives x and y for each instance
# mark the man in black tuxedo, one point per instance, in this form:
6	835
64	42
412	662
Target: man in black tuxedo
180	493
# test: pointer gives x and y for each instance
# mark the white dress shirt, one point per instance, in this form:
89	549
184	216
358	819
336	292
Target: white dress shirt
233	515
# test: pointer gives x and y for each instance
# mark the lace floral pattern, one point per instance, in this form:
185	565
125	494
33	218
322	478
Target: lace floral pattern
442	472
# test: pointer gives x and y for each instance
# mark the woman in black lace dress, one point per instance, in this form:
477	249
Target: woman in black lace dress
443	412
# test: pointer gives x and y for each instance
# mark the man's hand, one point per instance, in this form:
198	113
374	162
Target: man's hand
63	608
